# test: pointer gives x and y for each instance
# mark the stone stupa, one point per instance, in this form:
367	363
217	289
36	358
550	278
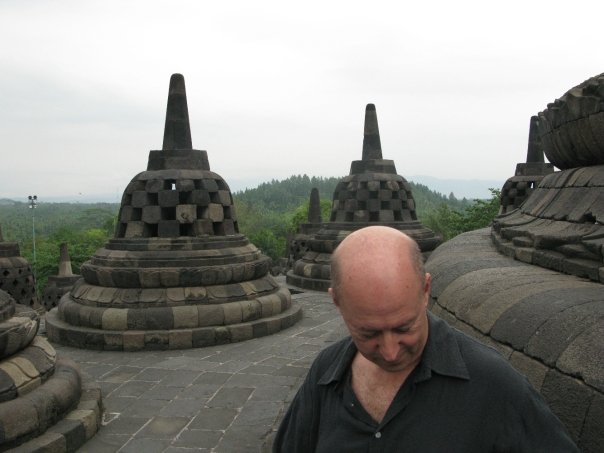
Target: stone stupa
528	175
177	274
59	284
16	276
298	245
532	285
372	194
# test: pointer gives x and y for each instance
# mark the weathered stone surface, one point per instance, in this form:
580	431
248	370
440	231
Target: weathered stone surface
569	140
591	434
568	399
551	321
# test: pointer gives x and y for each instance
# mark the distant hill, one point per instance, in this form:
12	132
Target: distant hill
461	188
285	195
275	198
16	218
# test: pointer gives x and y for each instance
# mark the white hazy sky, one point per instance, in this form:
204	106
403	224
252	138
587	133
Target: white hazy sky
277	88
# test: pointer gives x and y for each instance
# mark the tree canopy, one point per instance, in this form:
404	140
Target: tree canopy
268	215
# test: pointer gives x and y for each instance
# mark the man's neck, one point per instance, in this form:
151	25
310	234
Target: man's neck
374	387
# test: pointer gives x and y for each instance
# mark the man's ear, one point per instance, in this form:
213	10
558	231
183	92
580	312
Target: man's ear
427	287
333	297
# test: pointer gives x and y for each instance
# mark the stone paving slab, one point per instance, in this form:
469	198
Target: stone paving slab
223	399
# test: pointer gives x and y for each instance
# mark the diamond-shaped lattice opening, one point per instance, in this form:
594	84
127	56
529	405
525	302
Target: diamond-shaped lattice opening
186	229
150	230
6	272
168	213
15	283
121	230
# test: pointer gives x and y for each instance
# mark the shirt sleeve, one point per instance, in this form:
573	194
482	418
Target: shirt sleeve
533	427
298	430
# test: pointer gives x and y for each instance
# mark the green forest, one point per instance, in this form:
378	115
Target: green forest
268	215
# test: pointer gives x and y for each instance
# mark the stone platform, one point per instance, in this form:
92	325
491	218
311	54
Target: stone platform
227	398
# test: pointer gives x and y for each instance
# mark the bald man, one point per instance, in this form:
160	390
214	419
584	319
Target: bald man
404	380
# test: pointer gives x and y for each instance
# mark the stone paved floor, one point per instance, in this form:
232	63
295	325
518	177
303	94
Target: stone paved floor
227	398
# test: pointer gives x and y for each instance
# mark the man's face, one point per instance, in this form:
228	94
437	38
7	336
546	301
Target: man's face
388	322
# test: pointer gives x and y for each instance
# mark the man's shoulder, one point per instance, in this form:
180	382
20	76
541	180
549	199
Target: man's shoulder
332	352
486	362
331	358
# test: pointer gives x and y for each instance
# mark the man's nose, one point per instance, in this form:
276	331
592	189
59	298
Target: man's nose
389	346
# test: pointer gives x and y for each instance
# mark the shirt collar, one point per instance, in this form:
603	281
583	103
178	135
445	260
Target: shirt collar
338	368
441	355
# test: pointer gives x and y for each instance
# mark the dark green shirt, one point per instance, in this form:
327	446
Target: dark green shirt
462	397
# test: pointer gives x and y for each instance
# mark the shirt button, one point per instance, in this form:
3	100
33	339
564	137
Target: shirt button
378	435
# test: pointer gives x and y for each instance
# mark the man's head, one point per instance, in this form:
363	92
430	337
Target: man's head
381	289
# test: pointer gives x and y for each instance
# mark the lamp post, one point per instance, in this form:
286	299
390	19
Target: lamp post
33	202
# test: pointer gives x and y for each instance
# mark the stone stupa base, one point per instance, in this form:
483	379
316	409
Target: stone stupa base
180	338
308	283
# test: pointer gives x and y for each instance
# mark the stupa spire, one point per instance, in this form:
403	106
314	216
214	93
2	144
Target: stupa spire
534	152
314	207
177	131
372	147
64	261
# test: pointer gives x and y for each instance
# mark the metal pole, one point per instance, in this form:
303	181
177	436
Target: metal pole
32	205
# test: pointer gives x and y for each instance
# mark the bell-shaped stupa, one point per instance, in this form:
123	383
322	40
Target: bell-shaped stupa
372	194
177	274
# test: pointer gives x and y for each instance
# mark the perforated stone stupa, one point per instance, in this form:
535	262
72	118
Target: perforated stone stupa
59	284
46	404
177	274
372	194
298	245
528	175
533	284
16	276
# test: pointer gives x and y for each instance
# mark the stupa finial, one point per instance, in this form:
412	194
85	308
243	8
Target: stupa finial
177	132
314	207
534	152
64	261
372	147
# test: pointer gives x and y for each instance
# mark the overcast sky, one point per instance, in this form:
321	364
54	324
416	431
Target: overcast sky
277	88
